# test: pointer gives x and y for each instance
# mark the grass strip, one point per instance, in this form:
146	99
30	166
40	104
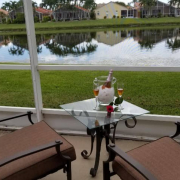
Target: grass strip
102	23
157	92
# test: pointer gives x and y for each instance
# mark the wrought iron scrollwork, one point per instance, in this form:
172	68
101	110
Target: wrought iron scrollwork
126	121
177	130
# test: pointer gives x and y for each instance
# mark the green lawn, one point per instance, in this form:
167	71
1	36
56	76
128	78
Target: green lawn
88	24
157	92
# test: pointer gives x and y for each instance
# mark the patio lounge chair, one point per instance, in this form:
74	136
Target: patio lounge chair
34	152
158	160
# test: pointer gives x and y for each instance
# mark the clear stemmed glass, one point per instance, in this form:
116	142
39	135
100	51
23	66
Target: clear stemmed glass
96	91
120	89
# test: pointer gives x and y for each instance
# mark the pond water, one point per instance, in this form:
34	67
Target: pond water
155	47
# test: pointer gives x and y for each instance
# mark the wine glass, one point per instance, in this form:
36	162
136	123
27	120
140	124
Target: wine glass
120	89
96	91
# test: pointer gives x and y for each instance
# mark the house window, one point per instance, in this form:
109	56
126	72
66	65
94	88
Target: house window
98	13
124	13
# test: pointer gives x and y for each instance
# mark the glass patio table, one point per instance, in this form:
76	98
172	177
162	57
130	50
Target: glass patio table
100	125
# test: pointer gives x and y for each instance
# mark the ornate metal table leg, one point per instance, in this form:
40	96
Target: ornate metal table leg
114	132
107	133
99	137
84	153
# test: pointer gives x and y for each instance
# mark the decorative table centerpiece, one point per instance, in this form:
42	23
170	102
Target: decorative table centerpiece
106	89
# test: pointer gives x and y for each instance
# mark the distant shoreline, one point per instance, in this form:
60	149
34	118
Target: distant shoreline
94	24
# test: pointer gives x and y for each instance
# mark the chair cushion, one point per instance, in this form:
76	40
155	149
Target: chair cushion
35	165
161	158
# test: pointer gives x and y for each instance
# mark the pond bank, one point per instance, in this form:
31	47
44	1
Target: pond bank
94	24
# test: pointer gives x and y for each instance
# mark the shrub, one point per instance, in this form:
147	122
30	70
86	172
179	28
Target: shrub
159	15
20	18
118	17
104	17
114	16
14	21
4	20
46	18
36	19
8	21
53	20
92	15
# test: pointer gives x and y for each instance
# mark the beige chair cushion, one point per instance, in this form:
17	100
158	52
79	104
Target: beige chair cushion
36	165
161	158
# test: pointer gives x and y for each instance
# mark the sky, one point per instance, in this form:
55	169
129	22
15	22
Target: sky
97	1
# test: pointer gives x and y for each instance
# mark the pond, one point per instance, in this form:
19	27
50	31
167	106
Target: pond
142	47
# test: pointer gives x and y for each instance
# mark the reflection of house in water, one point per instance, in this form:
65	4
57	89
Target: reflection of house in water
20	43
148	38
111	37
72	39
71	43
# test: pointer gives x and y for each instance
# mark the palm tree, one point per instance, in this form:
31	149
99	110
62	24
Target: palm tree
13	5
6	6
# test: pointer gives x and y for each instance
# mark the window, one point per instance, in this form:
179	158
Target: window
98	13
124	13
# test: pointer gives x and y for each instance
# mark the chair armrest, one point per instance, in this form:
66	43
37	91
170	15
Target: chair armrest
14	117
177	130
135	164
7	160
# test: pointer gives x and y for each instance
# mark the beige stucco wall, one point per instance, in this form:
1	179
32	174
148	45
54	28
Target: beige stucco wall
109	10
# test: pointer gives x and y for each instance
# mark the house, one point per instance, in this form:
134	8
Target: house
41	12
3	14
110	10
160	8
71	13
111	38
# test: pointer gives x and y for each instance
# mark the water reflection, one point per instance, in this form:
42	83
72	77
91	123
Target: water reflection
117	47
65	44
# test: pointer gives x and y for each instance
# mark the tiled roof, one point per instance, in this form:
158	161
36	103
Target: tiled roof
43	11
82	8
3	11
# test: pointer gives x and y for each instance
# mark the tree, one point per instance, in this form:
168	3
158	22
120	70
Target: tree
2	16
148	4
13	5
121	3
6	6
175	3
88	4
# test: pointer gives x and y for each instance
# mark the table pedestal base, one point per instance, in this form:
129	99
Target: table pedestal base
99	133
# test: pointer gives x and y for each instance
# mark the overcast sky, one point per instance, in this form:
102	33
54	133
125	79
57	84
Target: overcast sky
97	1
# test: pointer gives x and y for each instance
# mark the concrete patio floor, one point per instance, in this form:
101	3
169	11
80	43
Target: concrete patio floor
81	167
